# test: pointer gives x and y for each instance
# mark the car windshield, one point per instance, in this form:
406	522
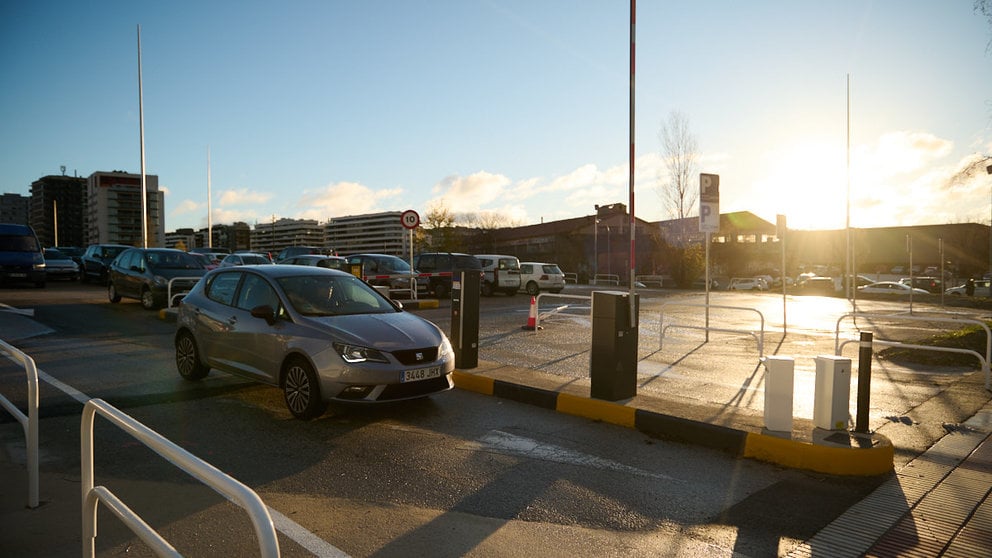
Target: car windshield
18	243
254	259
51	254
333	295
173	260
551	269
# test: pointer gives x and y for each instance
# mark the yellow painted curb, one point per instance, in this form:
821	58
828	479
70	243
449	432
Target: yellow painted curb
605	411
823	459
473	382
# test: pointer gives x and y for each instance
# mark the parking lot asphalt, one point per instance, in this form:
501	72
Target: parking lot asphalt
935	501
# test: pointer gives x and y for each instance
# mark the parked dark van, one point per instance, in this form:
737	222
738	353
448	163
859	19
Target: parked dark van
21	258
442	267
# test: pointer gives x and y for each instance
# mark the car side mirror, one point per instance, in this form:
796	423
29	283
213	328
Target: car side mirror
396	303
264	312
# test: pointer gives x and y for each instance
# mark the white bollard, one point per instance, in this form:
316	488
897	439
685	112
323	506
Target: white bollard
832	393
779	388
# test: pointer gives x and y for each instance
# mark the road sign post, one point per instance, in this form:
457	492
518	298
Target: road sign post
410	220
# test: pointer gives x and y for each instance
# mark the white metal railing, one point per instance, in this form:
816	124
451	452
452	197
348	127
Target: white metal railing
758	337
651	279
537	320
170	298
606	279
838	346
230	488
571	278
29	421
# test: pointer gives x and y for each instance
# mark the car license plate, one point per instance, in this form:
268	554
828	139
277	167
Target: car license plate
19	275
420	374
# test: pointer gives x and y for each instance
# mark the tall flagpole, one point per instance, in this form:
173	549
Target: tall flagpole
210	226
633	267
141	127
850	281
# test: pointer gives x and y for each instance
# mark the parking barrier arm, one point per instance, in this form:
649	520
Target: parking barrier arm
225	485
29	421
537	302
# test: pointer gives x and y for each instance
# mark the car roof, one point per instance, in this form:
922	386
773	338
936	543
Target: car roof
276	271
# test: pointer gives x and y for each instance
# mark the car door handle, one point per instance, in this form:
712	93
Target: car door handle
232	320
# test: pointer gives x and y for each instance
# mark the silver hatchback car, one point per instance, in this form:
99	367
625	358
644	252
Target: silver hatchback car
321	335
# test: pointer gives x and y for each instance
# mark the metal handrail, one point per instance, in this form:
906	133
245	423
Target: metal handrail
169	302
606	278
917	318
759	338
29	422
222	483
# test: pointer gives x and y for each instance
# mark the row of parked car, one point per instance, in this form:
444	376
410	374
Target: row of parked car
154	275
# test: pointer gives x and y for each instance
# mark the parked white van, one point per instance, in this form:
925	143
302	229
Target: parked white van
500	273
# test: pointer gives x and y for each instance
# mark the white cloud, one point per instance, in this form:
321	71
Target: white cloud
344	198
184	207
243	197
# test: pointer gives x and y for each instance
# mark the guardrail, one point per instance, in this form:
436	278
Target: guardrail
170	297
606	278
984	360
29	421
572	278
537	318
228	487
758	337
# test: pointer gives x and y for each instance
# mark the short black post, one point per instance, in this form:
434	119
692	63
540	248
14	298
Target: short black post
864	382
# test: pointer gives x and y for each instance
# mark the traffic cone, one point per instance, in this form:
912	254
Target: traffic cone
532	317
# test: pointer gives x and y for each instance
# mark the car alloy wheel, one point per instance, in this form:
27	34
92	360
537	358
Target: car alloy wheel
147	299
188	358
532	288
302	390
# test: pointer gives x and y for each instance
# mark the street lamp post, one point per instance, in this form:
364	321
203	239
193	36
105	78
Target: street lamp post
595	236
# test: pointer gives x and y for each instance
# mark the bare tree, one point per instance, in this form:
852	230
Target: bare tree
488	220
681	153
984	7
437	226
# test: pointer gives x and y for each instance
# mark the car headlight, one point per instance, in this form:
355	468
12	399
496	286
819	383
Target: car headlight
160	281
355	353
445	350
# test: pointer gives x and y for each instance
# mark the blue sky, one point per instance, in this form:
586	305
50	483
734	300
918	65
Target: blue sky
512	108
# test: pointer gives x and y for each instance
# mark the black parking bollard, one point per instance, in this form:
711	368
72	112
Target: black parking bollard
864	382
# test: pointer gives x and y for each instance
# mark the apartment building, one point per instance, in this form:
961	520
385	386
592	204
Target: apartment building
114	212
380	233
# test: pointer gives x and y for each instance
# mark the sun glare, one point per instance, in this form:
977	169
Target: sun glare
806	182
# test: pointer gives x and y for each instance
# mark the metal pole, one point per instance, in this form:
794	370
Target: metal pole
210	224
141	126
708	286
864	382
633	267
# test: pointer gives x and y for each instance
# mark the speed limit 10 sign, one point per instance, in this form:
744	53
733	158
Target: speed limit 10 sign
410	219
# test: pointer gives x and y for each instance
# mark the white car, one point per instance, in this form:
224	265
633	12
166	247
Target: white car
536	277
981	289
748	284
891	287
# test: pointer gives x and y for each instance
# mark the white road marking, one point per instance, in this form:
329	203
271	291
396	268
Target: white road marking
504	442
